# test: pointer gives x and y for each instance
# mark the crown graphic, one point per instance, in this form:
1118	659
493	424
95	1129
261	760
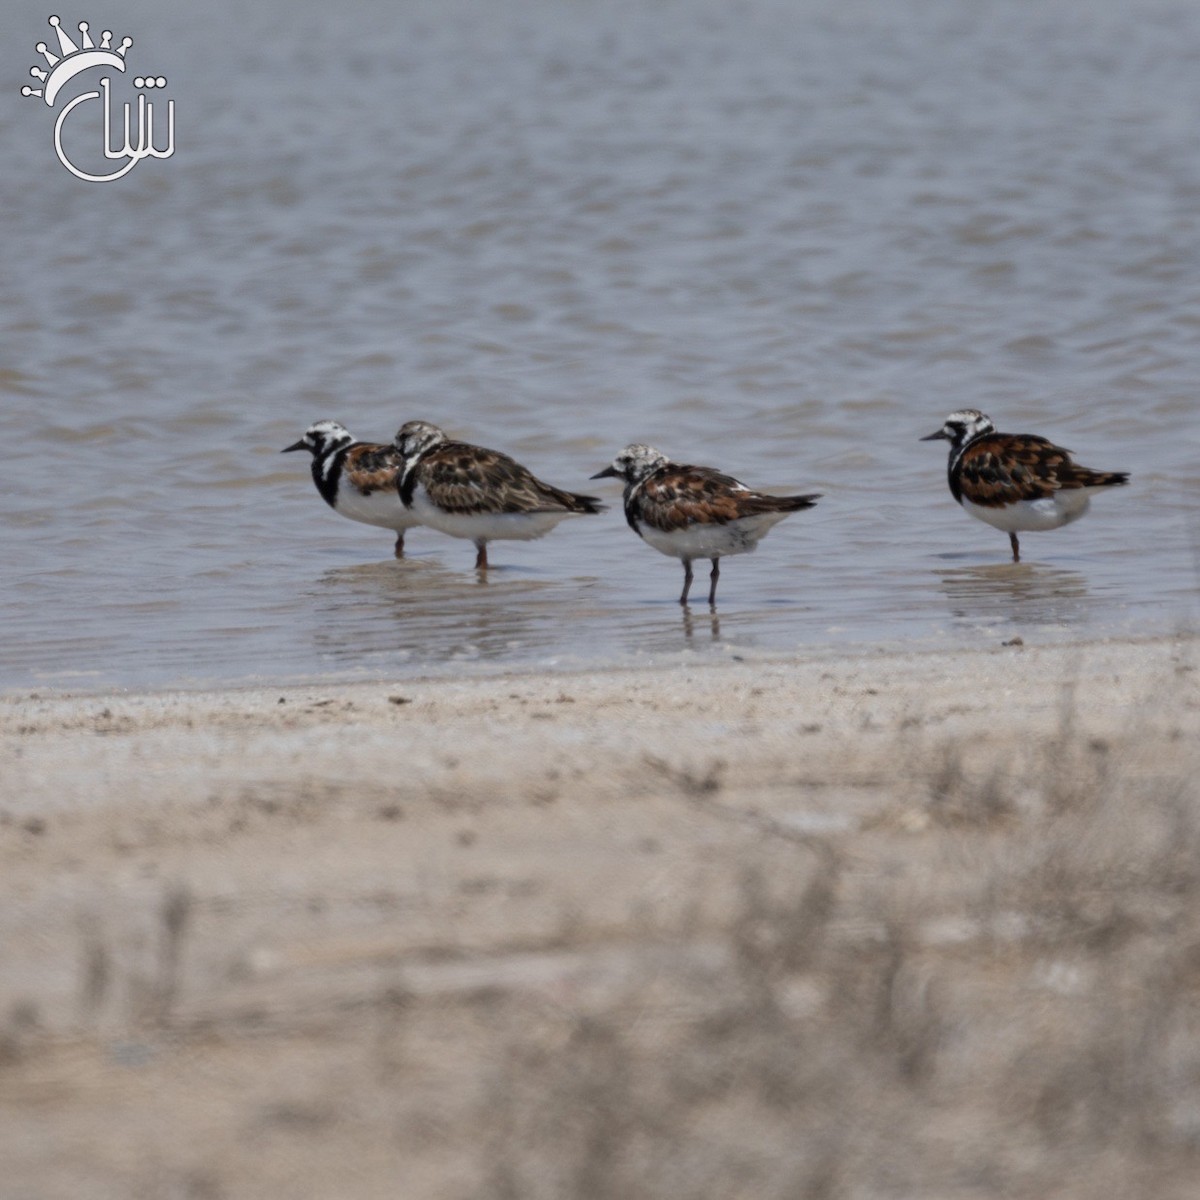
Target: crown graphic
72	59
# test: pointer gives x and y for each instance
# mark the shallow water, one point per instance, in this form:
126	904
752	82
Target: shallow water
780	238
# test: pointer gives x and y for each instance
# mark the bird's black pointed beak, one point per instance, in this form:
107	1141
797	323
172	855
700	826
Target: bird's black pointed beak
940	436
295	446
609	472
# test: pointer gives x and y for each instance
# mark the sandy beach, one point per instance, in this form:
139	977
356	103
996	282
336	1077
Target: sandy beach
905	924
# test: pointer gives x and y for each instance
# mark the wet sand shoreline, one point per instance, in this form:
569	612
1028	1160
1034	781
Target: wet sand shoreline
627	932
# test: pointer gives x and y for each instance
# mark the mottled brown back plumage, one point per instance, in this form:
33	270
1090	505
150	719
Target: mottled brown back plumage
461	478
678	494
1002	468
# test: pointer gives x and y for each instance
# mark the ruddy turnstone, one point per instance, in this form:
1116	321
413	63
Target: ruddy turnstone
695	512
360	480
1017	482
483	495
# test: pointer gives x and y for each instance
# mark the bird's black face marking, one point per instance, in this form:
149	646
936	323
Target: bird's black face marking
960	427
321	437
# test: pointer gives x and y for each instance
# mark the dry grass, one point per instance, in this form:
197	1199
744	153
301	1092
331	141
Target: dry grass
1010	1005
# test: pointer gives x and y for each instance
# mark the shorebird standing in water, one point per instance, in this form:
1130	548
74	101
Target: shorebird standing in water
359	480
469	492
691	512
1016	482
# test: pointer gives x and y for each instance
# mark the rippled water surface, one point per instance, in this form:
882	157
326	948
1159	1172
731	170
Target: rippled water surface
784	238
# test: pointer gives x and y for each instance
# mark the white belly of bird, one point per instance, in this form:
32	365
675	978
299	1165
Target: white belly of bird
711	541
383	508
485	527
1031	515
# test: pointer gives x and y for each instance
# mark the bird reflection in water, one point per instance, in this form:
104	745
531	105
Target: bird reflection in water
1020	593
710	619
420	611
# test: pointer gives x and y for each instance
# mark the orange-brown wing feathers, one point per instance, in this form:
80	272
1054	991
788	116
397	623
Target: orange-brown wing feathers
1000	469
371	468
680	496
